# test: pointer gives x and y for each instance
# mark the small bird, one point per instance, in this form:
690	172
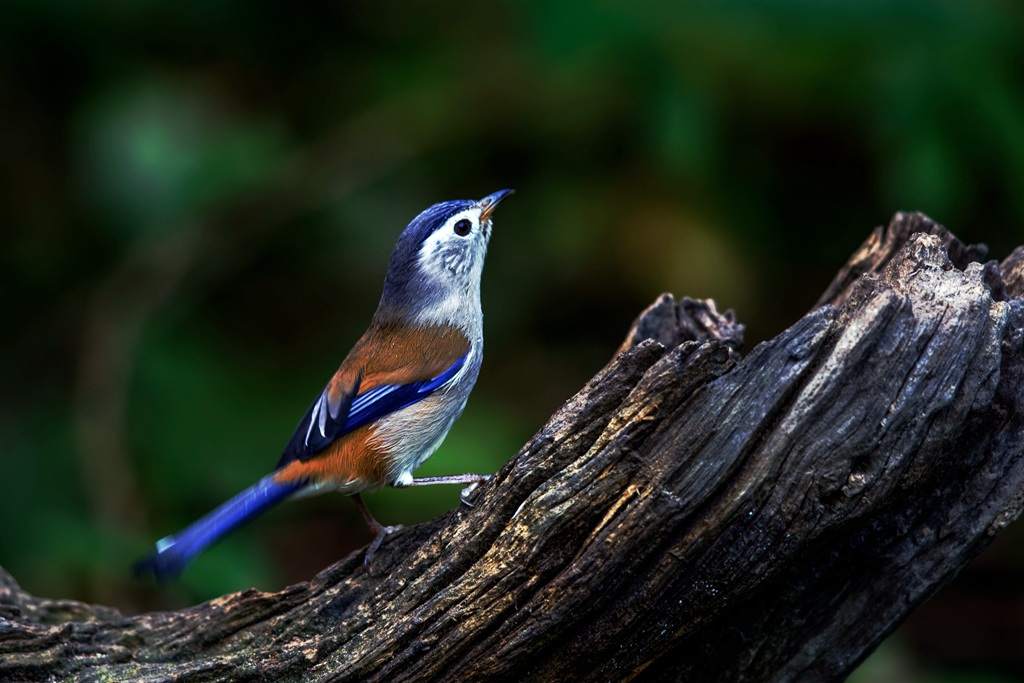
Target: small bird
395	396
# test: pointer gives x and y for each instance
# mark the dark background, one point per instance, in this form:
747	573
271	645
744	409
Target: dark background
198	201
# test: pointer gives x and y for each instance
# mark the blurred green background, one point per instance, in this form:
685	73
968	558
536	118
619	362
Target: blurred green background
199	199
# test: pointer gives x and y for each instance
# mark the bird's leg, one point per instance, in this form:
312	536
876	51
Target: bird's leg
450	479
472	481
378	530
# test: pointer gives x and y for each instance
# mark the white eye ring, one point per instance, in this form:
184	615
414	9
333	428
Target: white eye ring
463	227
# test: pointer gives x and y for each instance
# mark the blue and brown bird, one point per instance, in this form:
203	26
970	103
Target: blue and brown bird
395	396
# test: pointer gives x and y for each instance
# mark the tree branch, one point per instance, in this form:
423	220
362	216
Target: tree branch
689	515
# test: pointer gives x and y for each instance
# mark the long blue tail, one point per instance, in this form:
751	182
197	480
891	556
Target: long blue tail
174	552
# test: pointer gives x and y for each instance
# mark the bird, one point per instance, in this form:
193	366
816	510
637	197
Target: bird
394	397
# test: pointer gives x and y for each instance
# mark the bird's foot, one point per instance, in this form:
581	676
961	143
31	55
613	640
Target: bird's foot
465	493
380	533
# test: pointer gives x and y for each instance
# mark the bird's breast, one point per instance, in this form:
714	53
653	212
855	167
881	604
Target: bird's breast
409	436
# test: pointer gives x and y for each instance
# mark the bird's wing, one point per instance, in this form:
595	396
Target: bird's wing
390	368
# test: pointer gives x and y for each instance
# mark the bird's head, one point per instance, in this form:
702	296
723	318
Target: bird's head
435	269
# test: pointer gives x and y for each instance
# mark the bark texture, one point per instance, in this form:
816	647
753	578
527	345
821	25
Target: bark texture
689	515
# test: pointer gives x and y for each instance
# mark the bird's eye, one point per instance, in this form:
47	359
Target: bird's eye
463	227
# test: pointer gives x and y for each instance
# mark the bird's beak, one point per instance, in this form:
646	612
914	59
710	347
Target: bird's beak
490	203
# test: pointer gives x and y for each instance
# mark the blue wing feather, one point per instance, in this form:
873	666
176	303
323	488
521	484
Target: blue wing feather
319	428
388	398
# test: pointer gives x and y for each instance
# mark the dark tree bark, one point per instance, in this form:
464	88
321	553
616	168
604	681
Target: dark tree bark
690	515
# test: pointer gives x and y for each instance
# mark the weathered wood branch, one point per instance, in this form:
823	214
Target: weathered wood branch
689	515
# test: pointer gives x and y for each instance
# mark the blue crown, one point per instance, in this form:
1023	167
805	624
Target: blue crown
403	272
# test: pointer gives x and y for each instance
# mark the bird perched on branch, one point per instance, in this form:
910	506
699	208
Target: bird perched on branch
395	396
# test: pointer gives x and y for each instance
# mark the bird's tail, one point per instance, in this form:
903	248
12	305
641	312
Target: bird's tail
174	552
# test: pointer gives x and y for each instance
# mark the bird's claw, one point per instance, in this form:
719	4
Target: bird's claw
465	493
371	550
